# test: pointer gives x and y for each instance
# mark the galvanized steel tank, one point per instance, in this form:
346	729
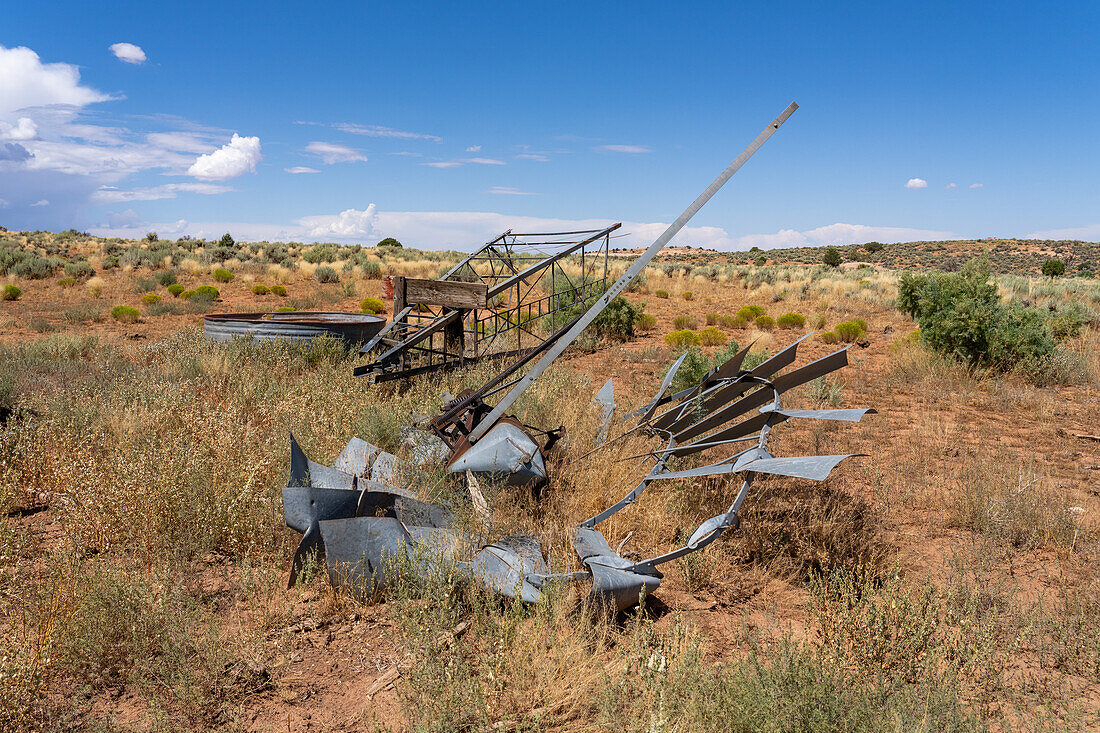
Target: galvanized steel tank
354	328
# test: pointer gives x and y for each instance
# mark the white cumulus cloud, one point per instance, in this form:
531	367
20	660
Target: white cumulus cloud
950	186
41	202
128	53
345	225
237	157
331	153
23	129
473	149
916	183
625	148
27	82
975	185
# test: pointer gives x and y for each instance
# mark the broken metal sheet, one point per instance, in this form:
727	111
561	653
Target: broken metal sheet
620	588
847	415
506	453
669	376
305	472
615	580
505	565
384	469
356	457
815	468
605	398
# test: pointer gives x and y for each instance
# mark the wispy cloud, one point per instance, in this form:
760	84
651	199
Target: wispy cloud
354	128
41	202
473	149
975	185
331	153
539	157
112	194
950	186
463	161
301	169
1089	233
509	191
625	148
916	183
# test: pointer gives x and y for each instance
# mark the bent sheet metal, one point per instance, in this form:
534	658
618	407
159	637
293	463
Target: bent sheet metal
360	526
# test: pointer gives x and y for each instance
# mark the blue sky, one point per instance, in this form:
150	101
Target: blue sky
442	124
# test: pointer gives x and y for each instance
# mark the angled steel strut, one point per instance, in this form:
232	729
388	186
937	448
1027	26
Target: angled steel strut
561	344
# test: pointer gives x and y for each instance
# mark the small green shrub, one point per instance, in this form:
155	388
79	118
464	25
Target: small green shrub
730	322
662	294
372	305
204	293
765	323
645	322
319	253
819	322
371	270
326	275
11	292
150	298
279	290
685	321
284	309
187	294
688	295
79	270
167	278
67	282
791	320
682	339
832	257
125	314
829	338
258	289
616	322
711	336
711	319
1054	268
175	289
850	331
749	313
223	275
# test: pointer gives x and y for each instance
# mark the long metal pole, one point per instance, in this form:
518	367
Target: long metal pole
563	343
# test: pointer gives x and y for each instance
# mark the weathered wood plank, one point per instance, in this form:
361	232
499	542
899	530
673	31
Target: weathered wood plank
448	293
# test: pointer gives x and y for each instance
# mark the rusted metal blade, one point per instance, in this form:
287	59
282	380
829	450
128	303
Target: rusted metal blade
762	396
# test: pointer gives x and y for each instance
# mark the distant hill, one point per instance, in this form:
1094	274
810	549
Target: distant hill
1006	256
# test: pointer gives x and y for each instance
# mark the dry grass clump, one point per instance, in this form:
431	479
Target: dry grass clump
1011	506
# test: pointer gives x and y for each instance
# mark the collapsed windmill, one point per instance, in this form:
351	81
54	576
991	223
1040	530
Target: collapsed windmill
352	514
